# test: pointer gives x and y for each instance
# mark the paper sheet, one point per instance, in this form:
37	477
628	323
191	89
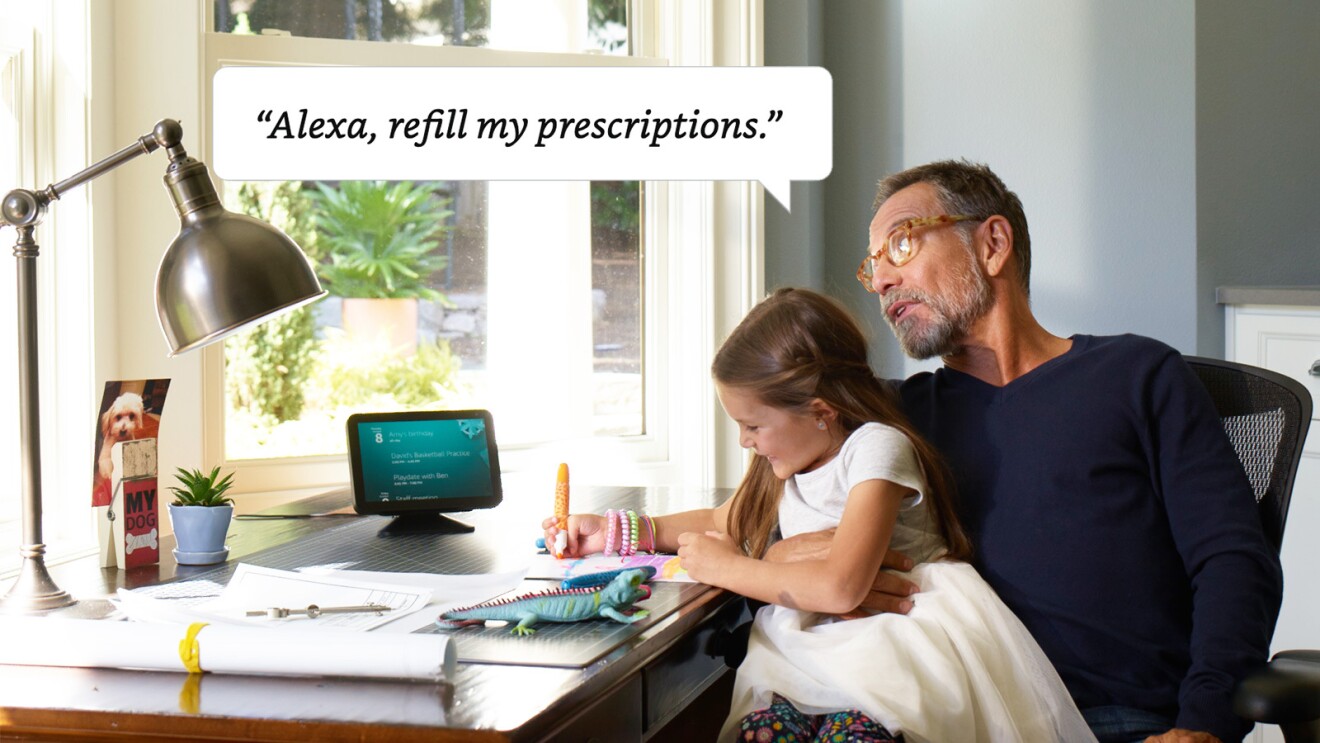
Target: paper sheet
254	588
189	601
447	591
546	566
443	587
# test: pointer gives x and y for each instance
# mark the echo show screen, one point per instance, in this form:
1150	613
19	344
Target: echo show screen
410	462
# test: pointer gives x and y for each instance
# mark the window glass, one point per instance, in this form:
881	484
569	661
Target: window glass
598	26
522	298
408	323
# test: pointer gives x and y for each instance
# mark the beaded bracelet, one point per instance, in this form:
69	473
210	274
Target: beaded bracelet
636	532
624	533
609	532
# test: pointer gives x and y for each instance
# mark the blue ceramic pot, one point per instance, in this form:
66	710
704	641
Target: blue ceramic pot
200	533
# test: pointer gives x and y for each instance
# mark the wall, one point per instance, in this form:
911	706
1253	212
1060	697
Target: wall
1257	150
1086	109
146	48
865	52
820	244
794	36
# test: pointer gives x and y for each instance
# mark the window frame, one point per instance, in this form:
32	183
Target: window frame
683	222
46	53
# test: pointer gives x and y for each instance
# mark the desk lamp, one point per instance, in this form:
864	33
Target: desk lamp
222	273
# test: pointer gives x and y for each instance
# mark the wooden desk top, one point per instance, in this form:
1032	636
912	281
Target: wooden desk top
484	701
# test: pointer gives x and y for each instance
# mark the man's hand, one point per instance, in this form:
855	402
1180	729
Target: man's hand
890	594
1178	735
812	546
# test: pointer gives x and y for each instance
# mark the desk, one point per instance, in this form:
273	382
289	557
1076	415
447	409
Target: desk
661	685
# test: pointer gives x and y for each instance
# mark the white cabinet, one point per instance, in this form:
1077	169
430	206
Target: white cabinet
1286	339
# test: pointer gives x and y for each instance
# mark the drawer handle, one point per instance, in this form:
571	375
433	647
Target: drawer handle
1315	368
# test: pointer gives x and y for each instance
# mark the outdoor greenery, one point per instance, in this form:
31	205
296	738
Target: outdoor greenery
616	205
297	372
201	490
451	22
382	240
267	368
352	378
465	23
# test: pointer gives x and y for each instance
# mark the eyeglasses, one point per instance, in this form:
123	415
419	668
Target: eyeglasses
899	247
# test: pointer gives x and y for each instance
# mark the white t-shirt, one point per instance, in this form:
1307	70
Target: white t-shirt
814	500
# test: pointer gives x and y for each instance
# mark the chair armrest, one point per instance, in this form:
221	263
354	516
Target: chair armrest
1285	692
1304	661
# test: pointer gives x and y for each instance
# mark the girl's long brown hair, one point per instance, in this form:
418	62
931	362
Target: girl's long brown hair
797	346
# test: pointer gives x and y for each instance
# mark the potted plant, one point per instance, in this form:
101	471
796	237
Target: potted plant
201	513
382	245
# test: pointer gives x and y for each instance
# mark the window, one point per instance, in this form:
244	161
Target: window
12	104
556	305
408	319
45	124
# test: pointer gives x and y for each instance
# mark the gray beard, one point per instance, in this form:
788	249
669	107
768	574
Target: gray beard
953	314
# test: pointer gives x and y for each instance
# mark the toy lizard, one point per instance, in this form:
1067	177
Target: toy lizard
559	605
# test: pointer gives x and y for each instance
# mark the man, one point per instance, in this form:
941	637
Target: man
1104	501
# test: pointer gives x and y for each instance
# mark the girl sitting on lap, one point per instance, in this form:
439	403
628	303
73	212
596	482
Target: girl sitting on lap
830	449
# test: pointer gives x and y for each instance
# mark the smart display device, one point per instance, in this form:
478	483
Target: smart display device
418	466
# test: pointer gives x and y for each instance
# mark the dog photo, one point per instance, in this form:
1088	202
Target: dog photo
130	410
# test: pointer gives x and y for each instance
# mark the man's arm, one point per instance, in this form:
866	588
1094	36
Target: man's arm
1235	575
890	593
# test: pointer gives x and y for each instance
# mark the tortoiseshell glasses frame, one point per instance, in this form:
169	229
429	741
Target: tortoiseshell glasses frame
899	247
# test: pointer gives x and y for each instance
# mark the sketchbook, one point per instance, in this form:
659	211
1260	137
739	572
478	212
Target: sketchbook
545	566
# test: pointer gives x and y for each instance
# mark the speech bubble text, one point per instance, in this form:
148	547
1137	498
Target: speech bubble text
769	124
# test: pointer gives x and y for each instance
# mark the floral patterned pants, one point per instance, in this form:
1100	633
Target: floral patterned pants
781	722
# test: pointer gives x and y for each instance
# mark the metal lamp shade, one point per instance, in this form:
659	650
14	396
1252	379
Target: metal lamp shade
225	272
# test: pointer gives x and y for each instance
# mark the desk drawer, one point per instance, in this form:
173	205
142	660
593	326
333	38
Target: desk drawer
677	678
615	719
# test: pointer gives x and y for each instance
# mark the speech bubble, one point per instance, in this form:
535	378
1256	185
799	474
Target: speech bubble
769	124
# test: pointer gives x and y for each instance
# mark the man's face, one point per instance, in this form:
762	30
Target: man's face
932	301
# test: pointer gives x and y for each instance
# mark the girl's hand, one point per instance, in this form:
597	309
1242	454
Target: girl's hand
703	555
586	534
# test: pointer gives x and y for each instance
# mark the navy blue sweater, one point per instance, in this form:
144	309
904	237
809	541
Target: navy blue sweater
1108	509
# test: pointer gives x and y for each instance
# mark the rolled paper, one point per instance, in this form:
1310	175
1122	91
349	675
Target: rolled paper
222	648
255	697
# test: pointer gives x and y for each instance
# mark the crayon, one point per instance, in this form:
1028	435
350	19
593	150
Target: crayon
561	510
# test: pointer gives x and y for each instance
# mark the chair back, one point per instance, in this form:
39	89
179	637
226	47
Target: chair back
1266	416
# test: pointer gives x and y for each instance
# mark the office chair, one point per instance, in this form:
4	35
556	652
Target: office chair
1266	416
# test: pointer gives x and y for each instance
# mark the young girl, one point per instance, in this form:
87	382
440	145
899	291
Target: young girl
831	449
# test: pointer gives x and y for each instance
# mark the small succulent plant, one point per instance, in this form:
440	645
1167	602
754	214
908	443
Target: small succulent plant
201	490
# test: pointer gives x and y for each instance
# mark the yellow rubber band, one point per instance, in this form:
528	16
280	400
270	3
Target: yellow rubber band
190	652
190	696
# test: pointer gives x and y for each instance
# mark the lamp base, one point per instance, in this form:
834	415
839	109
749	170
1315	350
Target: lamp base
34	591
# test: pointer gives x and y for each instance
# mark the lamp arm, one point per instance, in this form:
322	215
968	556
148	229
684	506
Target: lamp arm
23	208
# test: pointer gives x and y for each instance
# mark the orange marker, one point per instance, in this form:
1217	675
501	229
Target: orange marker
561	511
